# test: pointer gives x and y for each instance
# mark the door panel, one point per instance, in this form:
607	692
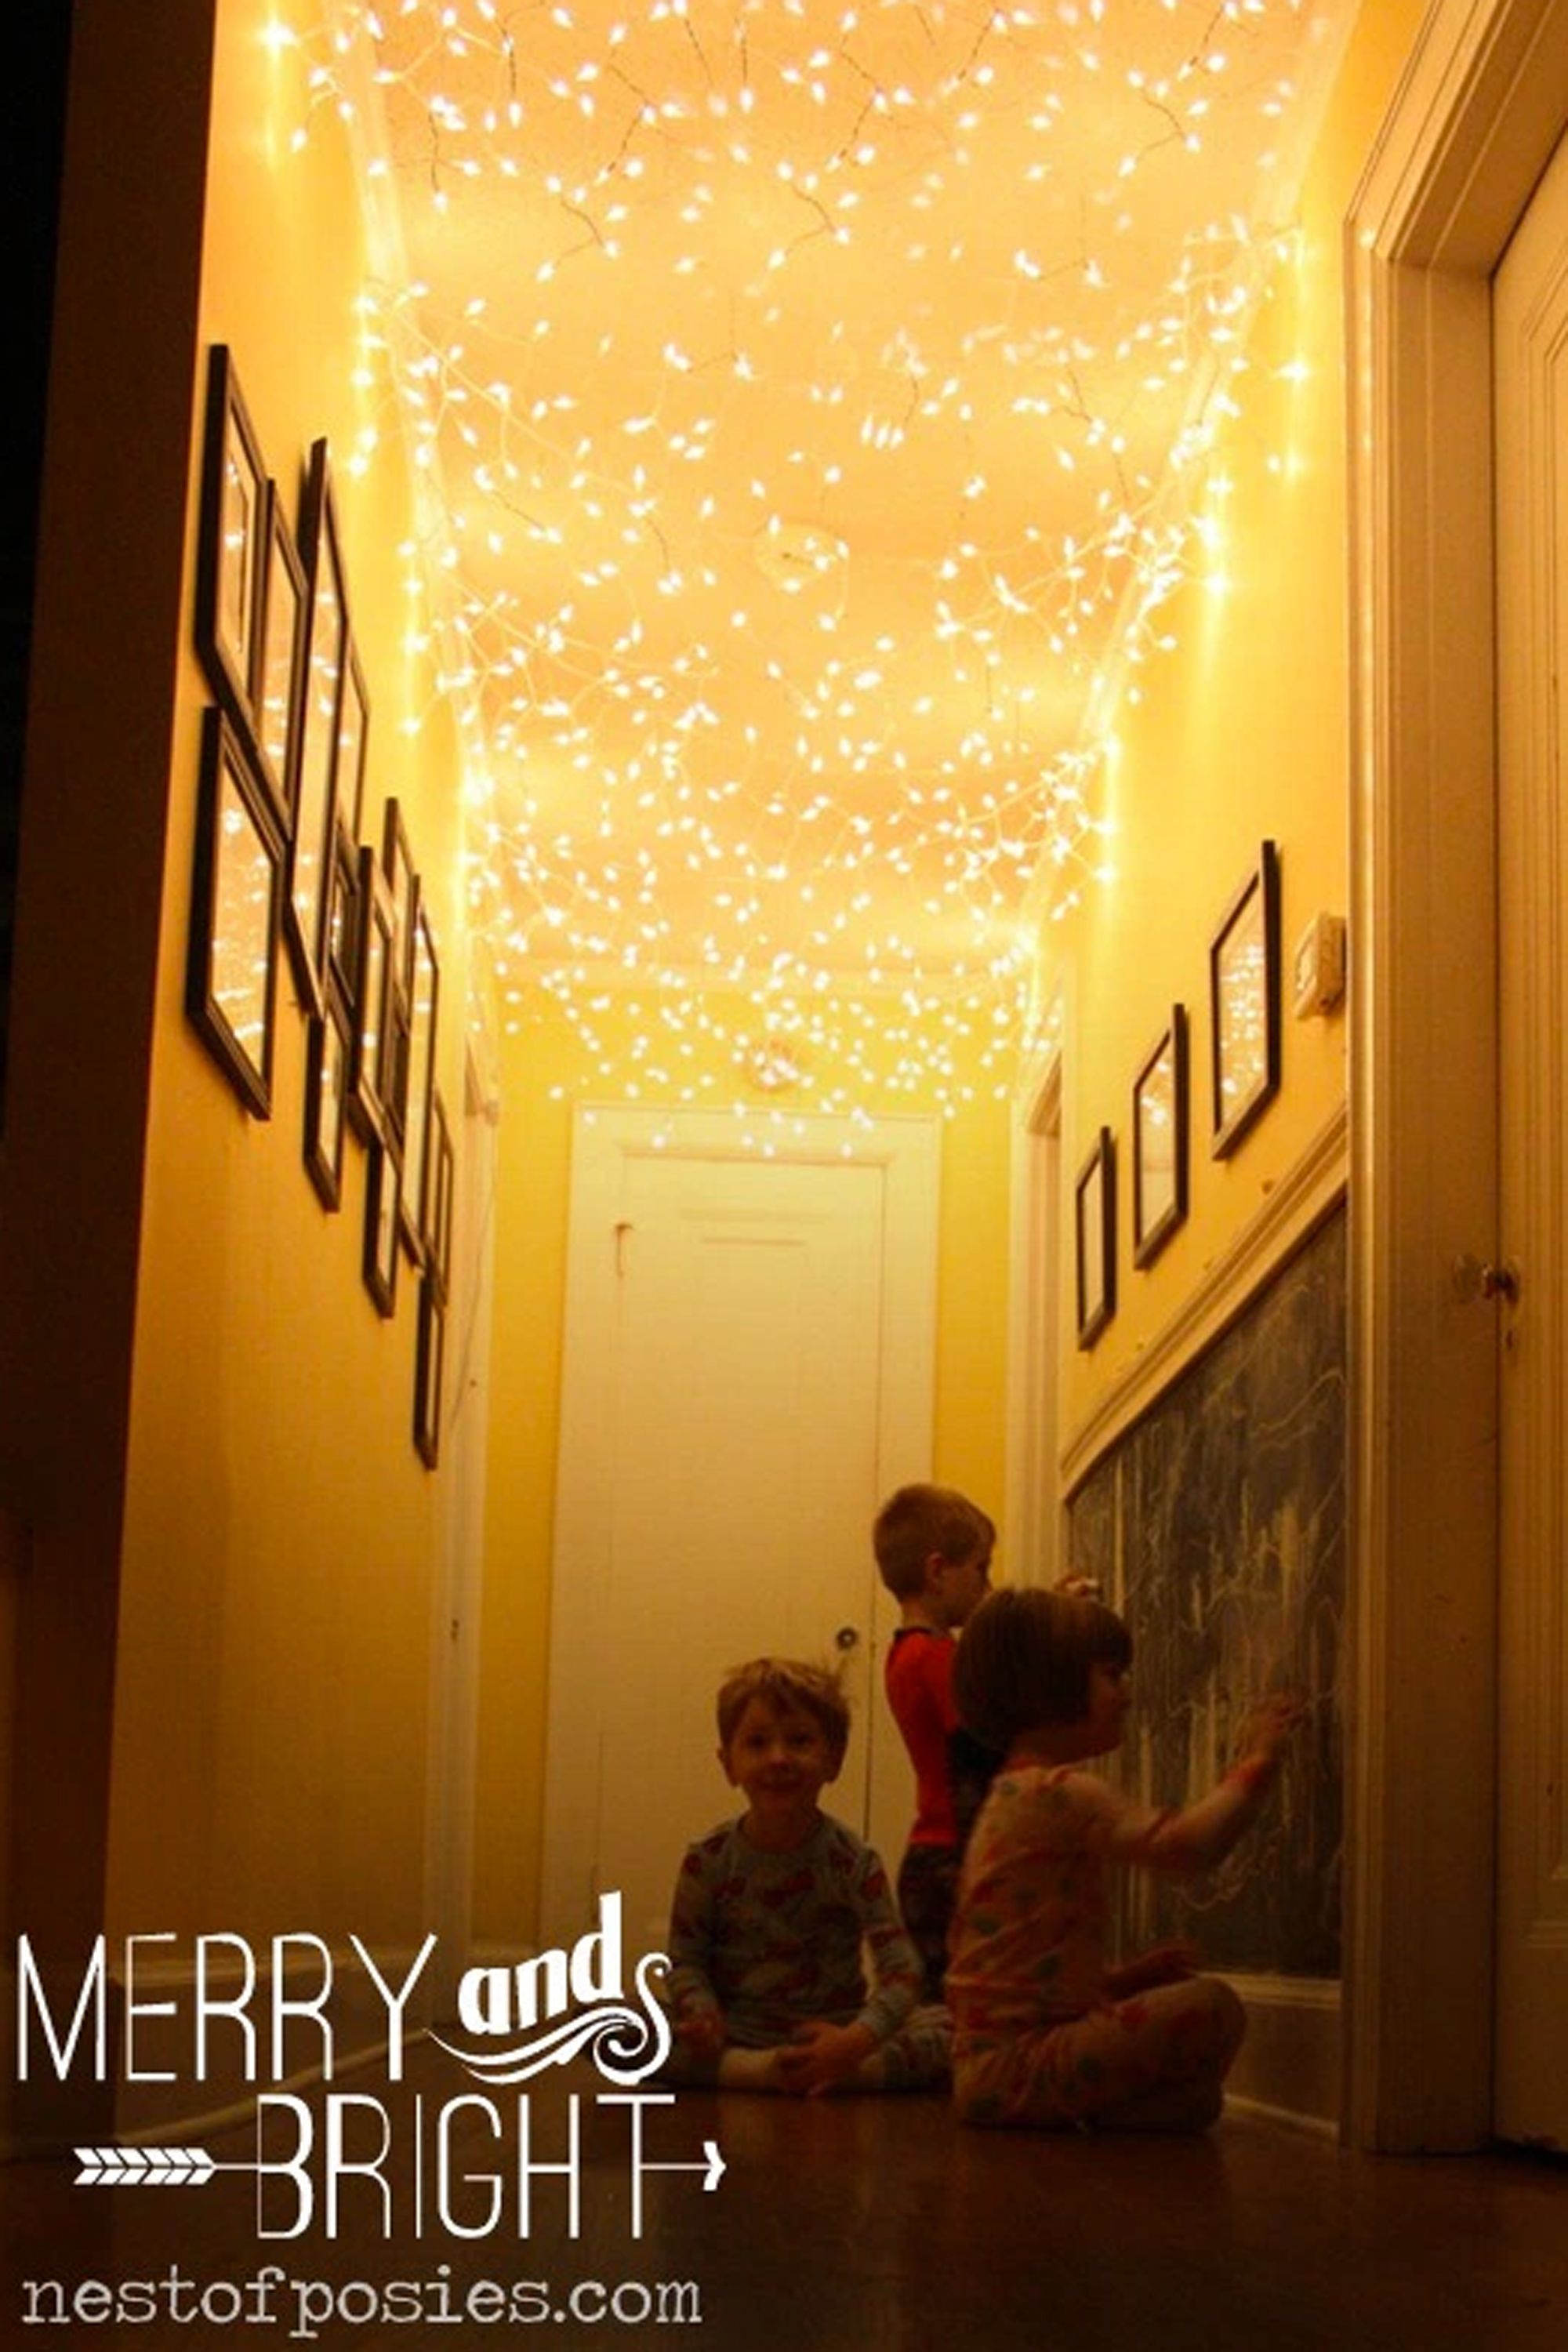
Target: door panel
726	1440
1531	349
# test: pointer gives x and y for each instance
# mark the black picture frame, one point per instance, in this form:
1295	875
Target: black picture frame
353	744
1244	1004
370	1001
398	863
394	1073
231	555
419	1079
232	959
438	1195
381	1219
1094	1231
280	657
428	1359
343	921
326	1104
1160	1141
326	646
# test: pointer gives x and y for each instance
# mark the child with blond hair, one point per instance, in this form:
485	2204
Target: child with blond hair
777	1913
1044	2032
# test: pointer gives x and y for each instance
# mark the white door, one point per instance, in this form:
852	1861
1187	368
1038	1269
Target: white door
748	1366
1531	349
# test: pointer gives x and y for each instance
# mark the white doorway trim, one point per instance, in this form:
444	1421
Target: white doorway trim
1032	1533
908	1151
456	1586
1470	130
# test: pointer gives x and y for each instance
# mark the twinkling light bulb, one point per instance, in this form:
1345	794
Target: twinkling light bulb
826	404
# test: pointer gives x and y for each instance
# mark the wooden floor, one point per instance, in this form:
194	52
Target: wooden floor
838	2226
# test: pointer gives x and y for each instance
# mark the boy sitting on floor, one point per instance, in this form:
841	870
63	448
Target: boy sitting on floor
773	1912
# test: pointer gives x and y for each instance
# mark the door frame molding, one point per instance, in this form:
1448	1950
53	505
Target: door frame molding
1032	1533
457	1590
908	1149
1471	126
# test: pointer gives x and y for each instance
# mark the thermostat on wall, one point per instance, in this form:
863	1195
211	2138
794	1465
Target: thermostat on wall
1320	971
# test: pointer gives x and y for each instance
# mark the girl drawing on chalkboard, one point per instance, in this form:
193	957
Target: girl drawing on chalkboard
1044	2033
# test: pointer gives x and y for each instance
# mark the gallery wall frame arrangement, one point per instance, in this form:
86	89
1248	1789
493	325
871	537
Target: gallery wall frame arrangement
1160	1138
232	957
280	855
1244	1004
1094	1238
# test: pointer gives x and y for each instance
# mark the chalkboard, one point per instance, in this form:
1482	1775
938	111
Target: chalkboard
1217	1528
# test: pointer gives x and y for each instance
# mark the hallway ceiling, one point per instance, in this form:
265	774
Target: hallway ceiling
817	402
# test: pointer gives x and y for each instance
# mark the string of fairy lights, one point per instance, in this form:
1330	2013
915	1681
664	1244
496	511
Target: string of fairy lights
819	409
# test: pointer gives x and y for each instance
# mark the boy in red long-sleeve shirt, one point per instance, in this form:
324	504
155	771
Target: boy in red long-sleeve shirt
934	1549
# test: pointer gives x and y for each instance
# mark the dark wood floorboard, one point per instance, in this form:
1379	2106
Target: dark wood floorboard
860	2226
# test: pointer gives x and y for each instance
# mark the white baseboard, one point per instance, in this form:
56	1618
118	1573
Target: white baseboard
1289	2067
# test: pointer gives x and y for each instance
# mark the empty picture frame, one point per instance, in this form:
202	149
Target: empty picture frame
427	1364
370	1001
419	1077
394	1077
1160	1141
279	651
402	880
231	965
381	1227
1244	1004
353	740
439	1198
326	1105
1094	1227
325	653
343	919
231	556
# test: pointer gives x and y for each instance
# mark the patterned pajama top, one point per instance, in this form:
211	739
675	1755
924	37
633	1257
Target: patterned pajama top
775	1940
1028	1935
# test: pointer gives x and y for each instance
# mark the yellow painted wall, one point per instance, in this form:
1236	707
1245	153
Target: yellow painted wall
107	607
544	1072
1238	734
281	1534
278	1534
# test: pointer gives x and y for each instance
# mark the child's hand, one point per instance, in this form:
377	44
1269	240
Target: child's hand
702	2031
1271	1725
819	2056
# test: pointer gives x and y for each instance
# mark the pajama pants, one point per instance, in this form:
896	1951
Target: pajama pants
928	1887
1156	2058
